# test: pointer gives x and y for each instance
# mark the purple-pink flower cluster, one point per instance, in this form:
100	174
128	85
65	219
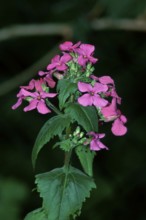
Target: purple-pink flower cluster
36	96
95	143
76	64
56	69
93	95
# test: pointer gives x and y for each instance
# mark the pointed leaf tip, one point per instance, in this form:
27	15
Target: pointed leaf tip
52	127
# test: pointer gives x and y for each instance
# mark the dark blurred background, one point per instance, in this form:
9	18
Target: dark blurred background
118	30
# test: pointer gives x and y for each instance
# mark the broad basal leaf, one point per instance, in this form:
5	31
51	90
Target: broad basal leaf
85	116
63	192
37	214
52	127
86	157
65	88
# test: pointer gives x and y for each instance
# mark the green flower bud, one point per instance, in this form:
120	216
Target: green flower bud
81	134
77	131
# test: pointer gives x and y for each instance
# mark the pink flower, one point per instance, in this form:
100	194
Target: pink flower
59	63
20	96
85	54
111	113
91	97
37	98
107	80
48	78
68	46
95	143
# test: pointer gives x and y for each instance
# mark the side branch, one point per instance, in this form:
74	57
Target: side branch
119	24
66	30
35	30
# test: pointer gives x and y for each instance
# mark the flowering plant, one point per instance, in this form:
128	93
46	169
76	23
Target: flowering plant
84	100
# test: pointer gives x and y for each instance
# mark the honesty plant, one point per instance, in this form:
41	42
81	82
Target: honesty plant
84	99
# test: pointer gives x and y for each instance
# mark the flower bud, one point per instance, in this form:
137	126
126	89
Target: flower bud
81	134
77	131
58	75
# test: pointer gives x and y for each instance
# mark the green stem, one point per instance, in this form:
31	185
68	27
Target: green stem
56	110
67	159
68	153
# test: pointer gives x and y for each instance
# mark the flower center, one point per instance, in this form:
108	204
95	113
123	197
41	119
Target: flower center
92	93
39	97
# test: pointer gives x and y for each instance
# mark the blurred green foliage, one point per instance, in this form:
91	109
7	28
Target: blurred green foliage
12	193
119	173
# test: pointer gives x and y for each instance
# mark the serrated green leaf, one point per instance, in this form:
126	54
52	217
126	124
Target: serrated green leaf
63	192
37	214
85	116
52	127
86	157
66	145
65	88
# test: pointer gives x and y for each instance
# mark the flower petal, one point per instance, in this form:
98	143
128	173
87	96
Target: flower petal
84	87
87	48
92	133
65	58
47	95
51	66
55	59
101	136
115	95
32	105
123	119
66	45
82	60
26	93
101	145
93	145
118	128
98	101
98	87
106	80
51	83
17	104
85	100
42	108
41	73
94	77
30	86
38	85
97	145
92	59
61	67
110	111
